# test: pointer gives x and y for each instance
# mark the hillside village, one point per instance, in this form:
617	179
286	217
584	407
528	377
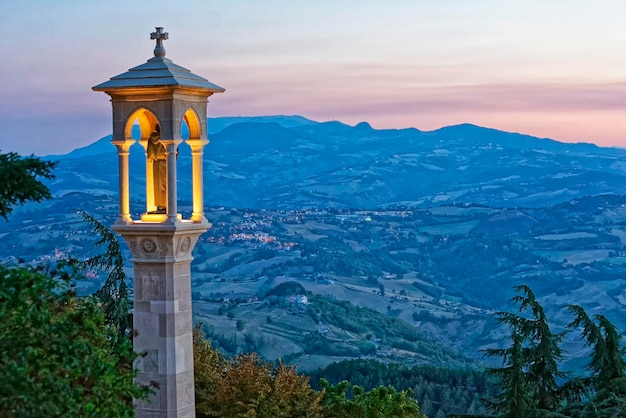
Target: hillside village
418	265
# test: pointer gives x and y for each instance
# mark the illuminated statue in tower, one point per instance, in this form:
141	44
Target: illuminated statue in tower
156	157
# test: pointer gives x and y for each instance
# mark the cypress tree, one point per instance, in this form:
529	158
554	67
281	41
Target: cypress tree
114	292
605	389
515	398
532	359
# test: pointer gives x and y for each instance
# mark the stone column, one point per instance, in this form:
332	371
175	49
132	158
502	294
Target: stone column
171	147
197	146
162	314
150	206
123	150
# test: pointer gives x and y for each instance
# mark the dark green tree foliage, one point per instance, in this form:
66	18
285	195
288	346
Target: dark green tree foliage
514	400
58	358
380	402
605	389
436	389
114	292
19	177
607	362
533	359
287	289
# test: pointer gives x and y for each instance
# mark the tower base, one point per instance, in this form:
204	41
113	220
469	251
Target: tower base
162	317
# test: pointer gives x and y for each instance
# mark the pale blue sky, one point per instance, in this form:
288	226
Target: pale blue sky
551	68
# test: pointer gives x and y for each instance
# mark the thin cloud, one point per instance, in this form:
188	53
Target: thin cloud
500	98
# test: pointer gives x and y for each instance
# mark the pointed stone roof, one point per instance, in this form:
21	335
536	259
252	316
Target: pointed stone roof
158	71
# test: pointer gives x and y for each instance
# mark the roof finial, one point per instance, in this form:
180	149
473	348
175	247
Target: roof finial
160	36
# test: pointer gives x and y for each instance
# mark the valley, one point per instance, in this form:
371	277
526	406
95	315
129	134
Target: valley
441	272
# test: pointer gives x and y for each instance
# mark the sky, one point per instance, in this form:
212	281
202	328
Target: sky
548	68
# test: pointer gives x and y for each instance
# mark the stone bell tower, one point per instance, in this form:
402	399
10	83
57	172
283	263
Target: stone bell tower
160	95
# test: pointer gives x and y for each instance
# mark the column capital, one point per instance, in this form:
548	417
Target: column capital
122	145
171	145
197	145
167	142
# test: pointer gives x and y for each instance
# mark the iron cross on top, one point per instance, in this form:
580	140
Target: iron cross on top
160	36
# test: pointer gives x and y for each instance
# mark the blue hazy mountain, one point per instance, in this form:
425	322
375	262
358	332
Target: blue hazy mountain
292	162
217	124
103	145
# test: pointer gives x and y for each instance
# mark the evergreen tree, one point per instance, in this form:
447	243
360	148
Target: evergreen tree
605	390
607	362
426	405
114	292
534	357
19	180
515	399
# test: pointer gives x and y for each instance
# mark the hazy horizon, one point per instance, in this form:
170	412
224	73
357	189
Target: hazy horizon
552	70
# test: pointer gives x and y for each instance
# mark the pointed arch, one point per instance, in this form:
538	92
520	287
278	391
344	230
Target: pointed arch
193	122
155	177
147	122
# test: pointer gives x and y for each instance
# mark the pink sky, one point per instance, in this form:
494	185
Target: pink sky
551	69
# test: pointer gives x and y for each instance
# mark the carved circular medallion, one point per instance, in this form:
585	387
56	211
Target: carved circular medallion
148	245
185	245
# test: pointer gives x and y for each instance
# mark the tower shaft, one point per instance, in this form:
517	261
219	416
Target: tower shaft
162	318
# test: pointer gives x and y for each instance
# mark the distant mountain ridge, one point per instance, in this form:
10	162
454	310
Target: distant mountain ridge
287	162
496	209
